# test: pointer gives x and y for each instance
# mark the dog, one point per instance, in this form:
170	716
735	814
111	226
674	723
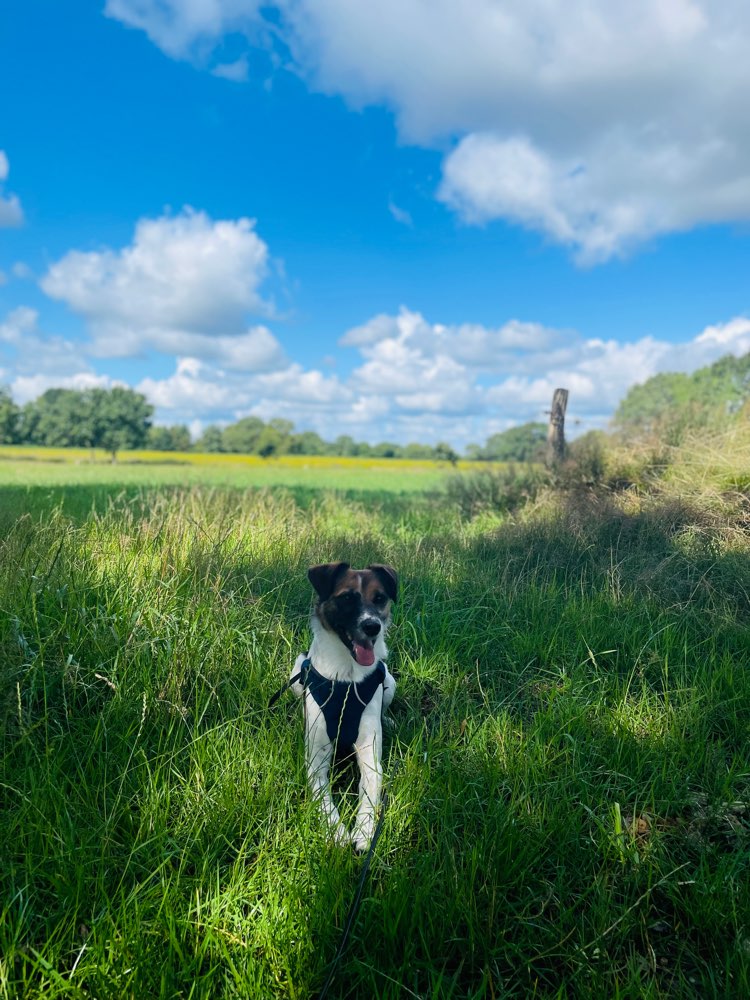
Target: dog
346	686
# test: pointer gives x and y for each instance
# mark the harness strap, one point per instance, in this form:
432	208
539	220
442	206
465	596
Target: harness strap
302	675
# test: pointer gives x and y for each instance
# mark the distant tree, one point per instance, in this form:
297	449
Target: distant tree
243	436
308	443
524	443
645	407
387	449
416	450
174	438
59	418
10	418
120	418
345	445
270	442
283	427
275	439
473	452
672	404
211	440
444	453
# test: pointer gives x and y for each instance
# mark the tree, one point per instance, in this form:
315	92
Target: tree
275	438
345	445
281	426
243	436
444	453
211	440
671	404
415	450
307	443
386	449
10	418
175	438
646	406
524	443
59	418
121	418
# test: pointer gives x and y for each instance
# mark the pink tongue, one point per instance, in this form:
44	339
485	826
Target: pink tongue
365	655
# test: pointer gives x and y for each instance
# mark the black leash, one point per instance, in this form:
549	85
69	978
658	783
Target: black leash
283	688
356	901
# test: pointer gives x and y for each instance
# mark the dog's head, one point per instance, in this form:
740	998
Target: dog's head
355	604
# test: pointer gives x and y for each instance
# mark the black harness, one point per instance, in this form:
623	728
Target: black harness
341	702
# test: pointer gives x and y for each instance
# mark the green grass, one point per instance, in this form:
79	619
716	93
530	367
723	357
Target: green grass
62	467
569	801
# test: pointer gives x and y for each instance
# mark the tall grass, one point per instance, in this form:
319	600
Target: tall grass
569	812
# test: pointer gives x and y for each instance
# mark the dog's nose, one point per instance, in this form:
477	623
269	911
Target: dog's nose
371	627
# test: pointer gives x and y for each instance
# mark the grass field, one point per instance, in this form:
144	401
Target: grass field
569	762
31	466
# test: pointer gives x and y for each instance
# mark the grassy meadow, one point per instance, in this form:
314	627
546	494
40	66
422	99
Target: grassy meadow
32	466
569	759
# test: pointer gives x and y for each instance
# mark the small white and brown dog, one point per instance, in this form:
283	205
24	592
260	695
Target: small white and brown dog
346	686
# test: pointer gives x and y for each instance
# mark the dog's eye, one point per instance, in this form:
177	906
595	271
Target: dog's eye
379	598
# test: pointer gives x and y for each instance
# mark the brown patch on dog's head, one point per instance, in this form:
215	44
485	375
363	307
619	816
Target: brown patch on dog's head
354	603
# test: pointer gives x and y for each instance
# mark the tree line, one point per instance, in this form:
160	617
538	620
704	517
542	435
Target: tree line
121	419
672	404
112	419
253	436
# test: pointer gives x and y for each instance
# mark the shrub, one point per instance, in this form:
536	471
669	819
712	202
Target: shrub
499	489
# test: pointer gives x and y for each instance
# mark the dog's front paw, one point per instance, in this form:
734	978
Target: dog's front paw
360	843
341	835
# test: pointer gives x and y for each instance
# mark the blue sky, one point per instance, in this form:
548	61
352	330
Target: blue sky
367	219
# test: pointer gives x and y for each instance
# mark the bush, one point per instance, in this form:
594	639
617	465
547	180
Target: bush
499	489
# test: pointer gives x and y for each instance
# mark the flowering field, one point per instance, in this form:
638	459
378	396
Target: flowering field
33	466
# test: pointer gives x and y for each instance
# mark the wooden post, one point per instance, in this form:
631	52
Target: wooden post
556	428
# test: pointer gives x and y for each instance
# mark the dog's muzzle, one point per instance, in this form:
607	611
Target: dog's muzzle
371	627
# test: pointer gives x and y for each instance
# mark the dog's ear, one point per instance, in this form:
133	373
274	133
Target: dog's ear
324	576
388	578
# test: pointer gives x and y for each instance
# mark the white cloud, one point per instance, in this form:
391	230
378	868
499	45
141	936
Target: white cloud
185	30
200	391
425	381
619	194
27	387
192	389
181	272
22	271
237	71
400	214
30	350
600	127
11	213
185	286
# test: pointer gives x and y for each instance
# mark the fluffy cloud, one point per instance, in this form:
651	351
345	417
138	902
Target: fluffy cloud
413	379
417	380
37	361
600	129
185	286
31	351
11	213
619	193
199	390
27	387
186	30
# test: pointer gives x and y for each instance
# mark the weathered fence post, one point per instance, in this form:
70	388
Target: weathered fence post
556	428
